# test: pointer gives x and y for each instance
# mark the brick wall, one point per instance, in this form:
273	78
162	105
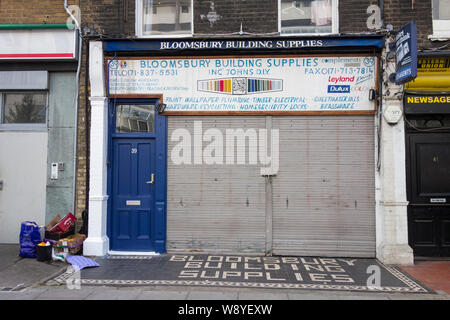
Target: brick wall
111	18
226	16
33	11
400	12
353	15
114	18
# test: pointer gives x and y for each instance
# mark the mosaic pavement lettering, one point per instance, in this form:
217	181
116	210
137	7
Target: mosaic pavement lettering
338	274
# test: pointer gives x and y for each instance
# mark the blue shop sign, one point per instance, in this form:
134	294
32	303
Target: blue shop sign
241	45
406	53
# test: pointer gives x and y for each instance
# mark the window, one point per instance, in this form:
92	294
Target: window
441	18
23	110
164	18
308	17
135	118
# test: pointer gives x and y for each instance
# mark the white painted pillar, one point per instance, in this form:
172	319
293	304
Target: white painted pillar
97	243
391	216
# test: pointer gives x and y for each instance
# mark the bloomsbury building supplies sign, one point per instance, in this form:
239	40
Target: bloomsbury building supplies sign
244	84
263	44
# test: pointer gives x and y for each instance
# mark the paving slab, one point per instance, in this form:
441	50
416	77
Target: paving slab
16	272
65	294
211	295
113	294
434	274
9	254
357	297
28	294
300	296
163	295
419	297
262	296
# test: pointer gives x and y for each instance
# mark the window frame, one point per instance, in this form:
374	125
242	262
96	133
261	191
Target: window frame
23	126
334	22
139	23
439	35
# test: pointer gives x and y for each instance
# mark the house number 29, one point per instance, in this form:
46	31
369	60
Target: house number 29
133	150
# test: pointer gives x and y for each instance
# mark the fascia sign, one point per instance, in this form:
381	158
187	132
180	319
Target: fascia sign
250	84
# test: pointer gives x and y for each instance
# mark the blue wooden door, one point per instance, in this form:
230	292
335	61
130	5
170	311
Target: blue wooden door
133	194
136	179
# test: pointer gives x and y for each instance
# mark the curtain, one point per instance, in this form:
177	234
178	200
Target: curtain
321	12
147	15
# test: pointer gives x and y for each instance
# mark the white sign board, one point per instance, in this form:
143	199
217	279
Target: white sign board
38	44
256	84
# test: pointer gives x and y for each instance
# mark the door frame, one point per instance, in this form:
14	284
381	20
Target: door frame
160	136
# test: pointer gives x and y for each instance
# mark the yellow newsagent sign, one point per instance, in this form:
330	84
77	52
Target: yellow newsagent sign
433	74
428	99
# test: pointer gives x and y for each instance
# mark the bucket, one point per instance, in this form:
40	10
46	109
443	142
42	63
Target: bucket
44	253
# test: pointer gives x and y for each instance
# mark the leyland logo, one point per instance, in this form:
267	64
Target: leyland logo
240	86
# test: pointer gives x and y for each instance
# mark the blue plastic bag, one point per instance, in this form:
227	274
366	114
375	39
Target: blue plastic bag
29	238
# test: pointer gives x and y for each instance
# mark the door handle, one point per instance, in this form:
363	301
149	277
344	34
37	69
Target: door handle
151	181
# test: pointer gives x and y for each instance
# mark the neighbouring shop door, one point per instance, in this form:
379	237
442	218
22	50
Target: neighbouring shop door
137	177
428	160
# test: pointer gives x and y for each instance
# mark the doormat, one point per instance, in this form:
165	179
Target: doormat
341	274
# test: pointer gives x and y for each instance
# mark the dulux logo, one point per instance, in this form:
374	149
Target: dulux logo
338	89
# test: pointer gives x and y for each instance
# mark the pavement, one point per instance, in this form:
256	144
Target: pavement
434	274
17	273
188	293
28	279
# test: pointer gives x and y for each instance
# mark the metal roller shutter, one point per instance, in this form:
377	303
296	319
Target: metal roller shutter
324	193
215	207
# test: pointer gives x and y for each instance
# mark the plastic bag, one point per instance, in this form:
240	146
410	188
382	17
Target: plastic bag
30	236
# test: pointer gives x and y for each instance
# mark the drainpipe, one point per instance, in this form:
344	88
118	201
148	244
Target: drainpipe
80	46
87	127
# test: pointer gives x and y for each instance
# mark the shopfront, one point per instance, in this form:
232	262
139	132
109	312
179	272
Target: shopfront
38	66
237	146
427	112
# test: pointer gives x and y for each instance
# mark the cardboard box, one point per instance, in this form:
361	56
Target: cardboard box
71	244
52	223
64	224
